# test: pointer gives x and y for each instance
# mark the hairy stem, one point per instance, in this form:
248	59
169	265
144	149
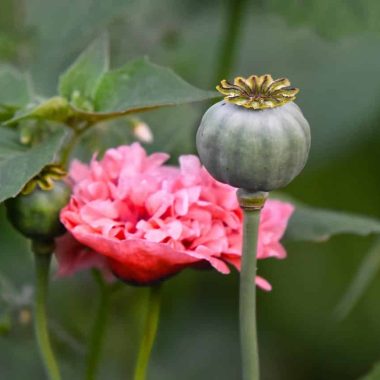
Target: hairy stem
149	334
98	330
251	204
42	265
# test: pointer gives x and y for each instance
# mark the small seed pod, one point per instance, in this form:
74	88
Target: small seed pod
35	211
256	139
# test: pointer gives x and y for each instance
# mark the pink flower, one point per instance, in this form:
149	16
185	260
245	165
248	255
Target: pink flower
73	256
151	220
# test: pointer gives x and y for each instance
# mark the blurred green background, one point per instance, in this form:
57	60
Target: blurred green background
331	50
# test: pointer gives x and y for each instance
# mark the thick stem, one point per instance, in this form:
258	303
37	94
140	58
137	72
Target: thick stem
149	334
42	264
231	29
251	204
98	330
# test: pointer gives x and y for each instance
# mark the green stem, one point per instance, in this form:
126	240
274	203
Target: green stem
150	329
231	28
251	204
72	142
69	147
98	329
42	265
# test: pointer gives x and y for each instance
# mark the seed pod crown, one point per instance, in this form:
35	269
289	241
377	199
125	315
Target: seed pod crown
258	92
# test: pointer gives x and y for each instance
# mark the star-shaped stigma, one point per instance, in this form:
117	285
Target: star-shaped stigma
258	92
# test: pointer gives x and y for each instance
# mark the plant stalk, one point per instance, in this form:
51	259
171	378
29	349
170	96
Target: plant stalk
149	334
231	28
251	204
76	134
98	330
42	265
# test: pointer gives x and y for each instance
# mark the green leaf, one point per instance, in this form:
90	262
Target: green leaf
313	224
374	374
18	164
79	82
365	274
14	88
138	86
141	85
53	109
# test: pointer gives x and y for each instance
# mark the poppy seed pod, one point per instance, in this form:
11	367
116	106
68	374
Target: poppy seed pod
35	211
256	139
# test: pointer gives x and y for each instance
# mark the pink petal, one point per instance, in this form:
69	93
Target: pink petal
263	284
73	256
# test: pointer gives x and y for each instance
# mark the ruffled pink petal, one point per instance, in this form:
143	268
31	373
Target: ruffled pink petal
78	171
140	261
73	256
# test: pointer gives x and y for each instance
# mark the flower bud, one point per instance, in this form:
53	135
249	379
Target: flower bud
142	131
35	211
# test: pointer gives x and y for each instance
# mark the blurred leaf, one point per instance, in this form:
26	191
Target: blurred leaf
62	31
367	271
79	82
8	47
374	374
6	113
5	323
14	88
53	109
141	85
329	19
14	36
18	164
313	224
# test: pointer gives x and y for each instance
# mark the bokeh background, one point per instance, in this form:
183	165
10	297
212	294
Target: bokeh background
331	50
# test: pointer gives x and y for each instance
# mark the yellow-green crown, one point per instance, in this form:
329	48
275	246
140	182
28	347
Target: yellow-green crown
258	92
45	179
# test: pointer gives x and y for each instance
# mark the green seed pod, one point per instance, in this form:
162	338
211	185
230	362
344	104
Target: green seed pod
256	138
35	211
